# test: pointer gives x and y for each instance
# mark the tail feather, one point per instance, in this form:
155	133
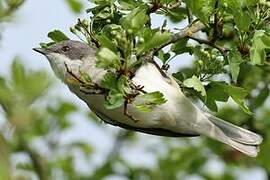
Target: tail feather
236	133
250	150
241	139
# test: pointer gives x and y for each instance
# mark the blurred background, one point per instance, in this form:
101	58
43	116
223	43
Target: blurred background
48	133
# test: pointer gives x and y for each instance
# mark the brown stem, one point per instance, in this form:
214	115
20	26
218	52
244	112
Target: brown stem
126	112
160	70
37	162
218	24
188	31
190	16
156	6
222	50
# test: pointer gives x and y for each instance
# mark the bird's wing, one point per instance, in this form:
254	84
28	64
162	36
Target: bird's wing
153	131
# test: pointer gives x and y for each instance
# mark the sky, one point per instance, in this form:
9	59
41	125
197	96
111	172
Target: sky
30	27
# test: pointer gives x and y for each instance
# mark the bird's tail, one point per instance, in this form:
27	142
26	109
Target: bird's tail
236	137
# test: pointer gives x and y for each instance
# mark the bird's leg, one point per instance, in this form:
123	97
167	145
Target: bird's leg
127	114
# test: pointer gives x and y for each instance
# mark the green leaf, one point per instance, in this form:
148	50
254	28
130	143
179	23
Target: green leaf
238	94
106	42
260	42
114	100
220	91
235	59
109	81
108	59
122	84
164	57
202	9
18	73
85	77
196	84
57	36
25	83
242	20
129	4
85	148
261	98
158	39
175	15
241	103
75	5
146	102
216	91
180	47
135	20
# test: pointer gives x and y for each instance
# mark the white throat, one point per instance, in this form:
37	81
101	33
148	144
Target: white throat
57	62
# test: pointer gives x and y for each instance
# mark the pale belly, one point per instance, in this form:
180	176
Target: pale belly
177	114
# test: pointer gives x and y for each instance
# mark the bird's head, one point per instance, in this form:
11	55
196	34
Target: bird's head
65	53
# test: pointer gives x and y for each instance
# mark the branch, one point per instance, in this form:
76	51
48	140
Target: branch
5	166
218	24
188	31
157	5
222	50
37	162
190	15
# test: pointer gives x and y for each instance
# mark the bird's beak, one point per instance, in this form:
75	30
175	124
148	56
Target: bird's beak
41	50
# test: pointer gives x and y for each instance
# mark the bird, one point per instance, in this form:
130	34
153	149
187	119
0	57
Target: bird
177	117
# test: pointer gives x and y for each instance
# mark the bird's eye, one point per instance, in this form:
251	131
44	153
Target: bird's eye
65	48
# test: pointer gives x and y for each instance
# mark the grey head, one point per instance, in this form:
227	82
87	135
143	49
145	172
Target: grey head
73	50
66	53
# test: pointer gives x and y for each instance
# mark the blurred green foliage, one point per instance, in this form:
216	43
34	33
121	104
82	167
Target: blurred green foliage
31	115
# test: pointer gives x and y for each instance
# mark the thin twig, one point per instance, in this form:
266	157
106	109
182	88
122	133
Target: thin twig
37	162
127	114
190	15
160	69
217	24
156	5
188	31
222	50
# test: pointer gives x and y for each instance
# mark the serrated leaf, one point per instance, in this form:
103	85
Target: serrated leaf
114	100
196	84
221	91
260	42
158	39
180	46
164	57
85	77
57	36
75	5
235	59
261	98
136	19
238	94
216	92
109	81
107	59
241	103
202	9
175	15
122	83
242	20
146	102
106	42
129	4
